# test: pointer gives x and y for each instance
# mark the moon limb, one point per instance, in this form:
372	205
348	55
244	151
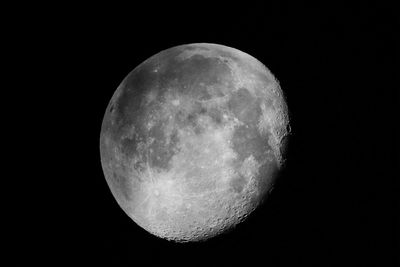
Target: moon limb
196	150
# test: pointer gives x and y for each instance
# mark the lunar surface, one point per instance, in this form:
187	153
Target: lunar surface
193	139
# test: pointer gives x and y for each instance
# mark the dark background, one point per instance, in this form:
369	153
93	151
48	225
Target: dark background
335	203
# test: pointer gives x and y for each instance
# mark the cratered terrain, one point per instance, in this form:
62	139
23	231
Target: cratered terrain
193	139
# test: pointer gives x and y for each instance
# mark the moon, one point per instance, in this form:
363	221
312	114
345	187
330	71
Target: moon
193	140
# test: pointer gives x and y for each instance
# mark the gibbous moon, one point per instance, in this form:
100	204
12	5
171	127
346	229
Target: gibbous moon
193	139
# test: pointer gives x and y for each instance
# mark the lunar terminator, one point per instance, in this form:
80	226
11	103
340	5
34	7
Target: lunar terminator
193	139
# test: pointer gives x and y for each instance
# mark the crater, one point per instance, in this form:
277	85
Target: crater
198	181
162	148
122	184
189	117
204	94
216	115
238	183
247	141
111	109
240	104
128	146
